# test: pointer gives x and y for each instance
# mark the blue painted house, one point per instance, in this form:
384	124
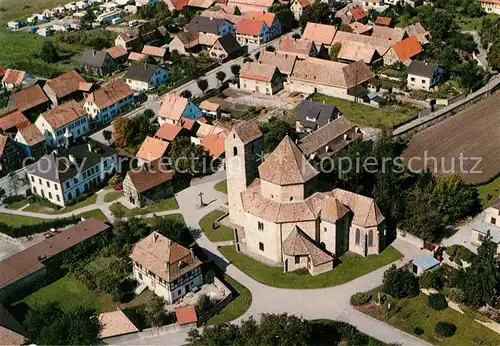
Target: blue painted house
175	107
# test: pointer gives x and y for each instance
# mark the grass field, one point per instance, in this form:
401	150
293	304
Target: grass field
70	293
111	196
220	234
162	205
408	314
41	208
368	116
21	220
237	307
221	186
492	189
471	24
18	205
352	266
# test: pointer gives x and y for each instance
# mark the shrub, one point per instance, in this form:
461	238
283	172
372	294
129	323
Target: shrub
203	305
432	279
459	253
25	230
456	295
444	329
437	302
418	331
400	283
360	298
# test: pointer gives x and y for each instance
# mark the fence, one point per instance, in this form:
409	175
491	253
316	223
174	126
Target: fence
220	304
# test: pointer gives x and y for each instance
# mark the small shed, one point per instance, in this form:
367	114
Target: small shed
424	263
186	315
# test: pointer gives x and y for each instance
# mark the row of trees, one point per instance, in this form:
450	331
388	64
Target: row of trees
490	38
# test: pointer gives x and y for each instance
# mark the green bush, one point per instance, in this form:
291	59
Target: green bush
400	283
360	298
454	294
25	230
445	329
437	302
459	253
432	279
418	331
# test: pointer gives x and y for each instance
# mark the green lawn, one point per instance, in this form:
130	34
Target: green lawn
362	115
222	233
471	24
162	205
96	214
21	220
111	196
18	205
352	266
492	189
177	217
408	314
221	186
47	208
237	307
70	293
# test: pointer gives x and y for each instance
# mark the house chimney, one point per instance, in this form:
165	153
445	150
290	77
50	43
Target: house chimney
191	251
155	237
72	159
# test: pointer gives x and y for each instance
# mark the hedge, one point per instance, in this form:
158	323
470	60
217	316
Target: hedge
454	294
26	230
437	302
459	253
445	329
360	298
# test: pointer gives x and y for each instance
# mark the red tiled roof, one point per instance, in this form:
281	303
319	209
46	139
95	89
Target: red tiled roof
257	71
168	132
10	337
31	134
186	314
358	12
408	48
117	51
66	84
249	26
154	51
144	178
110	93
267	17
136	56
383	21
152	149
64	114
13	76
214	144
30	97
179	4
187	123
14	119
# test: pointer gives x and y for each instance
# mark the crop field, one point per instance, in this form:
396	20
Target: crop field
471	137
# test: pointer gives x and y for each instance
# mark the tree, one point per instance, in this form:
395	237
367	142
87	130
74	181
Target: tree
274	131
49	325
122	131
235	70
284	15
173	230
107	273
494	56
400	283
203	305
186	94
155	312
202	84
220	75
318	12
49	52
149	113
88	18
471	76
334	51
108	135
482	278
270	48
187	157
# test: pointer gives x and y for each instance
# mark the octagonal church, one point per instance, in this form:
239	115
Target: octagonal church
279	216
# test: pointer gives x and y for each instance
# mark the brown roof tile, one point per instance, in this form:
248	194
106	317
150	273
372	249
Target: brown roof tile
137	56
186	315
115	323
161	256
257	71
267	17
319	33
28	98
66	84
15	77
383	21
286	165
14	119
299	244
63	114
168	132
110	93
382	45
366	212
152	149
249	26
31	134
407	49
157	52
117	51
290	45
283	62
358	12
10	337
172	107
354	51
209	106
248	131
391	34
146	177
214	144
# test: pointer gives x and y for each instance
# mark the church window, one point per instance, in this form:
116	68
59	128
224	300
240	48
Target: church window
358	237
235	151
260	226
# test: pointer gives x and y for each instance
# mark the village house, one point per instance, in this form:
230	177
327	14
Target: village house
250	31
365	46
210	109
213	143
66	87
403	51
225	48
490	224
134	58
97	63
31	101
392	34
125	40
28	269
105	103
175	107
13	78
144	77
302	48
185	42
383	21
298	6
330	78
168	269
260	78
282	61
248	5
152	149
354	51
490	6
115	323
32	141
118	53
66	173
203	4
10	122
283	219
320	34
11	155
419	31
313	115
169	132
330	139
63	124
359	14
158	54
360	28
423	75
148	183
209	25
271	20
